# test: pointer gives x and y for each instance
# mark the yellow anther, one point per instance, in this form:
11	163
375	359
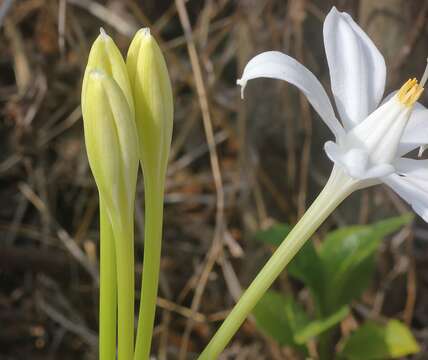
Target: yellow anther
410	92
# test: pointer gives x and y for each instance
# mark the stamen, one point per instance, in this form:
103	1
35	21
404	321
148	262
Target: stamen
410	92
425	76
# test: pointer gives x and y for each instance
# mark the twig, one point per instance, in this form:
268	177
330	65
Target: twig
416	31
298	12
181	310
110	17
217	245
68	122
4	9
62	11
66	239
199	151
86	335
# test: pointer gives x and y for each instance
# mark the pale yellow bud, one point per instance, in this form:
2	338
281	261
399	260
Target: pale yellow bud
105	56
111	140
152	92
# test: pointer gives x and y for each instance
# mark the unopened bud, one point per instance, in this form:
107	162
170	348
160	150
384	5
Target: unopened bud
105	56
152	92
111	141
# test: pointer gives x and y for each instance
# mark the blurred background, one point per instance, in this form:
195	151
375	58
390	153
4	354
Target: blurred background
236	167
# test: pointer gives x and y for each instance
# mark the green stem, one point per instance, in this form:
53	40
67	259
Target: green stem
108	288
123	229
336	190
151	264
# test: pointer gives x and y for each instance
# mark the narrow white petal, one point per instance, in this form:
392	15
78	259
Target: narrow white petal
357	68
389	96
381	132
274	64
414	192
416	131
416	170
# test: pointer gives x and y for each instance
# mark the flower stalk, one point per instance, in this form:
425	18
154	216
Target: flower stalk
338	187
153	196
123	230
151	85
108	288
112	149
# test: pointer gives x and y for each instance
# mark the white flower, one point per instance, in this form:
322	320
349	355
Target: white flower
371	139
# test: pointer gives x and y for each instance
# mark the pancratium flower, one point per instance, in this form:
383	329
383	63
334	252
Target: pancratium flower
371	140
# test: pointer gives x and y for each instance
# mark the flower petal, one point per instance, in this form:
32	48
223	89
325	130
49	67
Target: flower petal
413	190
416	132
274	64
415	169
356	162
357	68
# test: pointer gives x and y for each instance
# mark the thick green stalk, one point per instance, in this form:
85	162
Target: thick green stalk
123	230
153	195
336	190
108	288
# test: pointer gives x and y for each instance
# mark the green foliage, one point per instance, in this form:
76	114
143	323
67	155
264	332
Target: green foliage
347	257
317	327
335	274
372	341
283	319
274	235
308	268
280	317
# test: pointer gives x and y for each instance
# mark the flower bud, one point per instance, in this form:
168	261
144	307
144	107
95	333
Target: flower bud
111	140
105	56
152	92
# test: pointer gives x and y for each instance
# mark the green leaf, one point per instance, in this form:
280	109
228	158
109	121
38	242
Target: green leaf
279	317
295	315
271	318
372	341
347	256
308	268
274	235
305	266
317	327
283	319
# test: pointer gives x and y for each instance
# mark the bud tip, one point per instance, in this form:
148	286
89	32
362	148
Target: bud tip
103	33
242	83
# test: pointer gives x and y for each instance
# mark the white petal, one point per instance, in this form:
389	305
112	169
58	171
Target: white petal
357	68
412	191
416	132
387	97
381	132
356	162
417	169
274	64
